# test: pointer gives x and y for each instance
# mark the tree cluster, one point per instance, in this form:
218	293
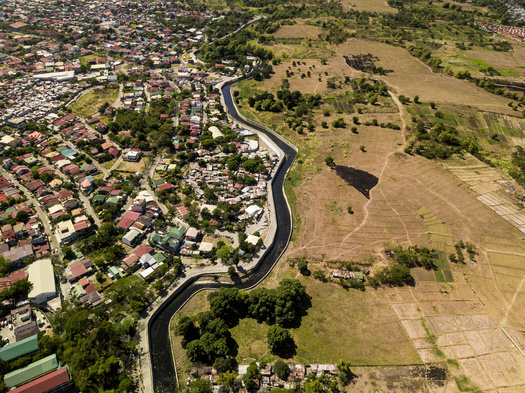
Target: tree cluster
206	336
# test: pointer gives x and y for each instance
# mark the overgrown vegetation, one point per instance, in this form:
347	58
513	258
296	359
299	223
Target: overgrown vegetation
207	338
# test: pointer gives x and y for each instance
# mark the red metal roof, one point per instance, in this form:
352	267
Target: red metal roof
45	383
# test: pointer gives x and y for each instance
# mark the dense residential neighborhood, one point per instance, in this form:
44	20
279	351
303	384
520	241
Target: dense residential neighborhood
120	174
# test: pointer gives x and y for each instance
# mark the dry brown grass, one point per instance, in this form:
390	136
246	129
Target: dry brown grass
128	166
298	31
368	5
412	77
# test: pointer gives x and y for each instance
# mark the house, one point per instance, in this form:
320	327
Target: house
132	237
132	155
19	254
205	248
66	232
192	234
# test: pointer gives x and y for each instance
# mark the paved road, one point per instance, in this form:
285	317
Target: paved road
42	215
83	198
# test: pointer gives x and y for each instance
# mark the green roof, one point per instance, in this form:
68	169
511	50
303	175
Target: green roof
156	238
113	200
99	198
33	371
178	232
160	258
158	182
20	348
114	271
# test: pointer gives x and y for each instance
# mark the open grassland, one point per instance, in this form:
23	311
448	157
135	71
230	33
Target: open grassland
88	105
368	5
298	31
411	77
324	336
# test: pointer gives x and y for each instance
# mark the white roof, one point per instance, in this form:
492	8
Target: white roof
252	239
146	272
253	210
215	132
55	208
42	276
206	247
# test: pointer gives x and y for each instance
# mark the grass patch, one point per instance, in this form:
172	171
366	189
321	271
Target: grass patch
89	103
253	344
85	59
439	276
453	362
340	325
466	385
505	72
350	325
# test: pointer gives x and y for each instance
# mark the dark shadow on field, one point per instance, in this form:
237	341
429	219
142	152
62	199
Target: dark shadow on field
362	181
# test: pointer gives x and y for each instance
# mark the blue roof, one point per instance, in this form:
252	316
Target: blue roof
69	153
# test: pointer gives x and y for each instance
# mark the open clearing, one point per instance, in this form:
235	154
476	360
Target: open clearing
464	315
411	77
298	31
368	5
128	166
88	104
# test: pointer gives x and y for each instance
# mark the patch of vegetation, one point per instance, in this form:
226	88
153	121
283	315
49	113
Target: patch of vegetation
207	337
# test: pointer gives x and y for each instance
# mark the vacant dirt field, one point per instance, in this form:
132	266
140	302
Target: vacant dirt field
368	5
128	166
298	31
412	77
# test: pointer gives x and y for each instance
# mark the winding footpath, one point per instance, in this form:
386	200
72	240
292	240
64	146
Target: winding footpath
158	371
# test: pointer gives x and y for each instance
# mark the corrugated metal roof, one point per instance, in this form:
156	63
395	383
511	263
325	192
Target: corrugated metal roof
32	371
20	348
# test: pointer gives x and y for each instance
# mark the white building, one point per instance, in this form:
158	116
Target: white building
41	275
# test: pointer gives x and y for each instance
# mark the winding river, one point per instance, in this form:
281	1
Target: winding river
164	378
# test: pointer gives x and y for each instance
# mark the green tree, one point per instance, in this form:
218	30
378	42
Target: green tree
329	161
339	123
252	377
281	369
5	266
200	386
232	272
224	253
313	387
223	365
281	342
302	265
227	378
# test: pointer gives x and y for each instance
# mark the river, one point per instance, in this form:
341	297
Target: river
159	343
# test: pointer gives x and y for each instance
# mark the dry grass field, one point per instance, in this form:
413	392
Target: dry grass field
461	328
411	77
128	166
368	5
88	104
298	31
